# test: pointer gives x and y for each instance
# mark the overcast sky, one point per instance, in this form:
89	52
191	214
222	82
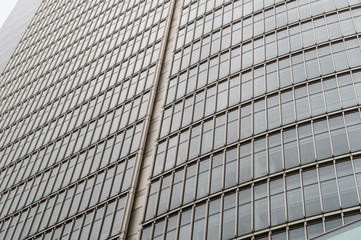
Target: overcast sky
5	9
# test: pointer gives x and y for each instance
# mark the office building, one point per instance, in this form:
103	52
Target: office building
164	119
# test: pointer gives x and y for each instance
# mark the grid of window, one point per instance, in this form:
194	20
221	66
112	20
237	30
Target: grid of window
297	194
316	140
238	88
264	49
260	94
76	96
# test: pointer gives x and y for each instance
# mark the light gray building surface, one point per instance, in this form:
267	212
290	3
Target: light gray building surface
182	119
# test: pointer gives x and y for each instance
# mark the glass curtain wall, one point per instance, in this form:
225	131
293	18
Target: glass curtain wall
75	97
261	126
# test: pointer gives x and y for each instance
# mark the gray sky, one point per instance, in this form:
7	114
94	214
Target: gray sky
5	9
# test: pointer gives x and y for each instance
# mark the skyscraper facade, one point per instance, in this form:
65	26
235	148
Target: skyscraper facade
165	119
260	133
76	97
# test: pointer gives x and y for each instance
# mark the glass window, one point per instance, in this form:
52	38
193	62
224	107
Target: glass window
346	183
260	158
247	29
244	211
277	202
207	136
199	28
273	115
182	81
184	228
194	142
287	106
353	124
307	153
353	51
231	168
163	195
158	230
213	219
296	233
260	206
259	116
217	173
229	215
177	189
316	98
189	186
329	188
302	105
205	47
294	197
294	33
307	33
356	16
271	49
222	91
235	60
236	32
199	222
198	106
290	148
203	176
215	43
272	76
346	23
338	135
258	51
192	80
247	56
246	90
177	116
333	222
314	229
298	68
312	64
246	121
347	91
323	149
269	20
219	131
226	34
320	27
281	15
326	62
339	56
158	166
210	101
258	81
275	153
333	26
282	42
153	193
182	147
232	126
171	227
202	74
187	111
245	162
331	94
316	7
311	193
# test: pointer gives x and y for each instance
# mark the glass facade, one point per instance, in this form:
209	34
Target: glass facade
247	112
75	99
350	231
261	126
